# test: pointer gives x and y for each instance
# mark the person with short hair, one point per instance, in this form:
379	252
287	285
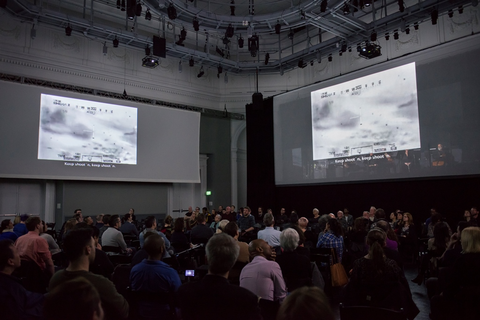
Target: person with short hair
99	222
216	222
18	302
76	298
113	237
20	228
151	226
232	230
262	275
6	230
106	225
306	303
52	244
79	248
221	225
128	228
35	248
154	276
231	302
201	233
269	234
332	238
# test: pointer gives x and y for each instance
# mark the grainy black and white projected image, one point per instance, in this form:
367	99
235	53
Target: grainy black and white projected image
374	114
86	131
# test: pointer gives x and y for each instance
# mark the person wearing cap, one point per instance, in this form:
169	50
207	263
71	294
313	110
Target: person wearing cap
21	228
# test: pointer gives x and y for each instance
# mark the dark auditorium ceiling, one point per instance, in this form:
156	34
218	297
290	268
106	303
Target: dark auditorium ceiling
309	29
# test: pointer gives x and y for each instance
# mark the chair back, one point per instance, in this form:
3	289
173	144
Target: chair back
154	299
268	309
112	249
32	276
121	278
371	313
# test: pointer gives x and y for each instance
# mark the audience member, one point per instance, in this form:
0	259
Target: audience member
52	244
391	242
128	228
16	302
332	238
112	237
407	236
79	248
474	216
221	225
246	224
69	224
201	233
281	218
295	267
349	218
232	230
75	299
436	219
179	239
101	264
342	220
21	228
307	303
269	234
106	221
262	275
316	216
167	227
229	215
259	216
6	230
99	222
210	216
230	302
154	276
151	226
88	220
34	248
380	215
215	223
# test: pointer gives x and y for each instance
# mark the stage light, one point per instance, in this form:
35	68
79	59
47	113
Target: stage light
138	10
220	52
415	25
346	9
123	5
267	57
240	42
191	62
148	15
373	36
349	49
330	58
401	6
460	9
150	62
131	9
253	45
232	8
395	34
450	13
230	31
180	69
434	16
115	42
278	27
370	50
68	30
201	73
219	71
344	47
118	4
340	53
323	6
407	30
147	50
183	34
387	36
301	63
359	47
196	24
367	3
172	12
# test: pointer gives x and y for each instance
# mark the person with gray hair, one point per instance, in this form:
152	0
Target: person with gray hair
231	301
296	268
269	234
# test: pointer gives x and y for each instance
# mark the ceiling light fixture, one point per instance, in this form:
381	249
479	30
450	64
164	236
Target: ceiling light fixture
230	31
201	73
450	13
434	16
118	4
148	15
323	6
68	30
278	27
301	63
191	62
387	36
395	34
138	10
123	5
330	58
373	36
401	6
267	57
147	50
115	42
253	45
240	42
150	62
219	71
232	8
460	9
172	12
196	24
346	9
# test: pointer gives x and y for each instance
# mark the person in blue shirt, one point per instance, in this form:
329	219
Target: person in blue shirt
154	276
21	228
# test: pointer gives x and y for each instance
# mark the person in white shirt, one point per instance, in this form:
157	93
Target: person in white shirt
269	234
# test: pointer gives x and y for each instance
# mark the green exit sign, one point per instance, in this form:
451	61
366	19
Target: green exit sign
208	193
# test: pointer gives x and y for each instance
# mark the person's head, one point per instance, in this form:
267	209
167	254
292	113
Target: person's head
70	224
303	223
474	212
359	224
260	210
155	246
268	219
88	220
346	212
228	209
197	210
190	209
471	240
440	147
179	225
331	215
385	226
128	217
200	218
407	217
316	213
380	214
23	217
221	225
269	211
231	229
168	220
131	211
77	211
214	212
204	210
106	219
260	247
393	216
441	234
289	239
399	216
220	208
376	238
9	257
76	298
436	217
293	217
246	211
6	225
467	215
78	215
365	214
218	218
34	224
306	303
371	212
79	244
340	214
222	253
282	211
115	221
334	226
150	222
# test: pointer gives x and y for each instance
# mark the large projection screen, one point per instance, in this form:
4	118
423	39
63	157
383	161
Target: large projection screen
51	134
414	117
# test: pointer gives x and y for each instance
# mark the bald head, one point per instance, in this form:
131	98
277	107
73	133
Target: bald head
155	246
259	247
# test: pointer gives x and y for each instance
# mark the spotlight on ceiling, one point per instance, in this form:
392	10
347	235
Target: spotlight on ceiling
180	66
220	52
330	58
302	64
434	16
291	34
367	3
181	37
131	9
138	10
115	42
450	13
118	4
232	8
240	42
68	30
191	62
401	6
219	71
150	62
123	5
201	73
253	45
395	34
267	57
278	27
196	24
344	47
373	36
415	25
340	53
148	15
346	9
370	50
147	50
323	6
229	32
460	9
172	12
474	3
387	36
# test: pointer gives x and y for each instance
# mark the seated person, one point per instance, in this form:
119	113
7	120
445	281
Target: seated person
112	237
295	267
52	244
79	248
20	228
6	230
179	238
201	233
232	230
246	224
154	276
306	303
14	299
151	226
269	234
332	237
216	222
231	302
128	228
76	298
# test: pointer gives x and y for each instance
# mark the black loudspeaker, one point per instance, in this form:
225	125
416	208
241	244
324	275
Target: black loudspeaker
159	47
257	100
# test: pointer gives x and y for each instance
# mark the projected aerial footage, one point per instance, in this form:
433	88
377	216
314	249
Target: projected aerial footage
369	115
86	131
